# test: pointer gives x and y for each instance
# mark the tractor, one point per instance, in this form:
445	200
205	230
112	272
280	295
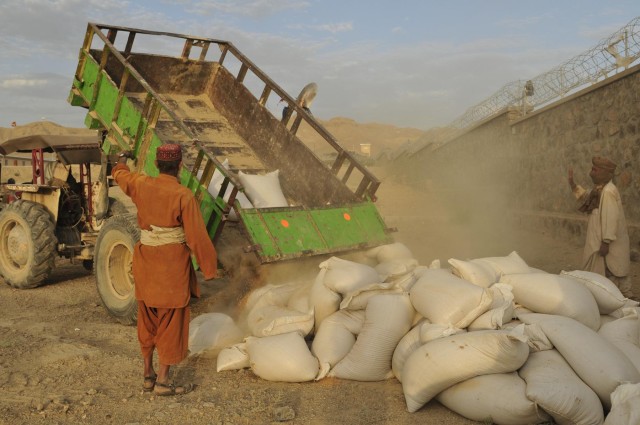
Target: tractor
61	210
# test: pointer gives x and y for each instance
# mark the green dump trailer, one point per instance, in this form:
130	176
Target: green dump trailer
147	88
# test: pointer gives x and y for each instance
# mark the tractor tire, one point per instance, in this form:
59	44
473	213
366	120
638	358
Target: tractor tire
113	261
27	244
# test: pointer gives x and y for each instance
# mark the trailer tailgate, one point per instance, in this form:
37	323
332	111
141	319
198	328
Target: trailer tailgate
287	233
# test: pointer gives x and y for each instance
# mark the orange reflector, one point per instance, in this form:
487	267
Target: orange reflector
346	216
284	223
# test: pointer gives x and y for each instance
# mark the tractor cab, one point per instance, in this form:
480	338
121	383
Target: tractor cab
59	210
61	159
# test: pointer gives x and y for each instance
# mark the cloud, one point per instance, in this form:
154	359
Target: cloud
29	97
416	84
255	9
601	32
21	82
523	22
40	30
420	85
48	22
44	85
334	28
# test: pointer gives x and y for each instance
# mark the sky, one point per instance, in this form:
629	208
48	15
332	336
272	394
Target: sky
408	63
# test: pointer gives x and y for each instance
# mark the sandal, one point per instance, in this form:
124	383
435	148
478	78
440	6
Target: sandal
161	389
149	383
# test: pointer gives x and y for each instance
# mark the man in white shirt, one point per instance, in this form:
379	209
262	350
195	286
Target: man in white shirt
606	249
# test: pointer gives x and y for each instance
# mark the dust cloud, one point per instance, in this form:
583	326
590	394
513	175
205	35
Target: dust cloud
449	205
452	203
242	274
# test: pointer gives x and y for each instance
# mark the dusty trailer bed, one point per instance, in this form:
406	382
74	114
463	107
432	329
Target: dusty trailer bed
143	100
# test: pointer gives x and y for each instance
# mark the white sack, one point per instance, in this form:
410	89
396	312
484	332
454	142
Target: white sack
512	324
519	309
270	294
417	318
606	318
216	184
212	332
284	358
511	264
344	276
263	190
498	398
625	408
500	312
407	345
241	198
623	333
406	282
335	338
606	293
444	362
444	298
536	338
233	358
477	272
393	251
391	270
625	328
274	320
358	299
554	294
600	364
435	264
621	312
555	387
535	270
299	299
387	319
267	312
323	300
216	179
431	331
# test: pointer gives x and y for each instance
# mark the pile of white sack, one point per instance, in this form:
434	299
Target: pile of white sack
491	338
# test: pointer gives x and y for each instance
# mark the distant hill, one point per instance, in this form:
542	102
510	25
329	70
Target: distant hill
350	134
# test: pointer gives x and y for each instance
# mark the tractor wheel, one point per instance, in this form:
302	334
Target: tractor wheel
113	261
27	244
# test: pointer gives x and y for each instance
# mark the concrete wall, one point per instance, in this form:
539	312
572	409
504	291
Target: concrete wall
515	167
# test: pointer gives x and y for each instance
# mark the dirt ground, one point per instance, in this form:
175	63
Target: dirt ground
64	360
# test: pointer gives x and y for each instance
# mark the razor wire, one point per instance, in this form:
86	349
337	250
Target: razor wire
609	57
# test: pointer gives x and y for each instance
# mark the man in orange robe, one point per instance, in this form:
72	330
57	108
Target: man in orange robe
172	229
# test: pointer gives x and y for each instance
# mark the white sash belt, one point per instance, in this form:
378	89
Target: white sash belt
162	236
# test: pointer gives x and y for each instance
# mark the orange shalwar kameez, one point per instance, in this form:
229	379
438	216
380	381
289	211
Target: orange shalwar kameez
164	275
